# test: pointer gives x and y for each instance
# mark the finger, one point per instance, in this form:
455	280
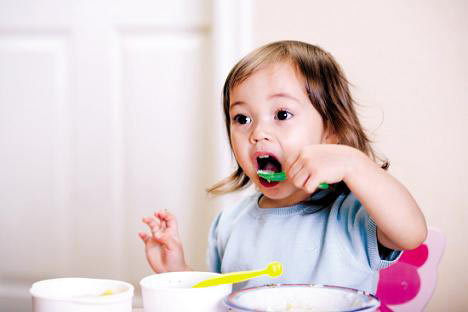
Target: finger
162	219
168	218
292	158
144	237
162	223
295	169
301	178
292	166
311	184
153	225
167	240
148	220
289	162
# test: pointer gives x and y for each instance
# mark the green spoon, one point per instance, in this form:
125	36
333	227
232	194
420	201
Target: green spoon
274	269
281	176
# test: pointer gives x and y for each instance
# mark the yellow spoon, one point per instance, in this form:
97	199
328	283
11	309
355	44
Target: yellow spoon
274	269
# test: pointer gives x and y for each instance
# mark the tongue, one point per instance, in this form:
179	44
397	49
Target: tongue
270	167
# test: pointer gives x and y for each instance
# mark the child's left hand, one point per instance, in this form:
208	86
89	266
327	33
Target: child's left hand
319	163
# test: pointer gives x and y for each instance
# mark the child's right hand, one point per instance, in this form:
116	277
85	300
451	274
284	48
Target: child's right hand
163	247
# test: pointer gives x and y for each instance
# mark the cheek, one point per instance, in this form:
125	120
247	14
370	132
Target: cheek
237	147
292	143
291	147
310	134
235	142
239	138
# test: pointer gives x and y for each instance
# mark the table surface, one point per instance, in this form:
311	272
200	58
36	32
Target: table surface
141	310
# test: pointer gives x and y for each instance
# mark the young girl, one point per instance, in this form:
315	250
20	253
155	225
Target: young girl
288	108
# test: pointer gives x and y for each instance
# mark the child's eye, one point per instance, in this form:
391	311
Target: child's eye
242	119
283	115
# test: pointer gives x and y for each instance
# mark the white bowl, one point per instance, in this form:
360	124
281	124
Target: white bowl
173	292
81	294
301	298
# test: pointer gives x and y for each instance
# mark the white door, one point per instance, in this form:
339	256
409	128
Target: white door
106	114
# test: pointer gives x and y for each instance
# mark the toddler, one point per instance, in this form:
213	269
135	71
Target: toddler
288	107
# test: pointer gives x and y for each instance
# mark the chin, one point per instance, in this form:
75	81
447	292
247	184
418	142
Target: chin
292	195
275	192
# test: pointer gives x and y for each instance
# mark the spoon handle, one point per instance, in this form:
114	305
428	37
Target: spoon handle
230	278
281	176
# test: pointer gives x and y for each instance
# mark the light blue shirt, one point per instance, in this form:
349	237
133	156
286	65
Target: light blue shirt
317	244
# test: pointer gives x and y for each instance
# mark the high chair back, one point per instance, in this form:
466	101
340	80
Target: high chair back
408	284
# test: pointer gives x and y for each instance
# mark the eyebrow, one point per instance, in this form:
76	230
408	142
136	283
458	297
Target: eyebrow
276	95
283	95
236	103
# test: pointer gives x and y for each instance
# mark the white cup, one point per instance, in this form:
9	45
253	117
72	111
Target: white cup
173	292
81	294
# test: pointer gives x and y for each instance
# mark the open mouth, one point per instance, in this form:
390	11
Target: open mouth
268	163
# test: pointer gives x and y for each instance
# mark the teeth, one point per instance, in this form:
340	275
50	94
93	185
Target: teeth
264	156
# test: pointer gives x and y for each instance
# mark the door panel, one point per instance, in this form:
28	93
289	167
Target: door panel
105	112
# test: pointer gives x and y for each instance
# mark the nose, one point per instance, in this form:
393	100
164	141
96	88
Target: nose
259	133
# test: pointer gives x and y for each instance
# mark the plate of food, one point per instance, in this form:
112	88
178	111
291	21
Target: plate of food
301	298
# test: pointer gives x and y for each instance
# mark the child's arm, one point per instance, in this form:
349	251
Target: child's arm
163	248
400	223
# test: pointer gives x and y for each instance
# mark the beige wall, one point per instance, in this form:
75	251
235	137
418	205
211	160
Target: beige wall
408	63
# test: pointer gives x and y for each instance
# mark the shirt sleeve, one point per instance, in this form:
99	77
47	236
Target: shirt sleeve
359	232
380	257
214	259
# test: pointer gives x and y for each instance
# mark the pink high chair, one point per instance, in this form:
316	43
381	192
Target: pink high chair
408	284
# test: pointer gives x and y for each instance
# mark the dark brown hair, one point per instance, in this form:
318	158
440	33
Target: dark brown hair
326	87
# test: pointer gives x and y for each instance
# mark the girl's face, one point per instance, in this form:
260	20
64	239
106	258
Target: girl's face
272	119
